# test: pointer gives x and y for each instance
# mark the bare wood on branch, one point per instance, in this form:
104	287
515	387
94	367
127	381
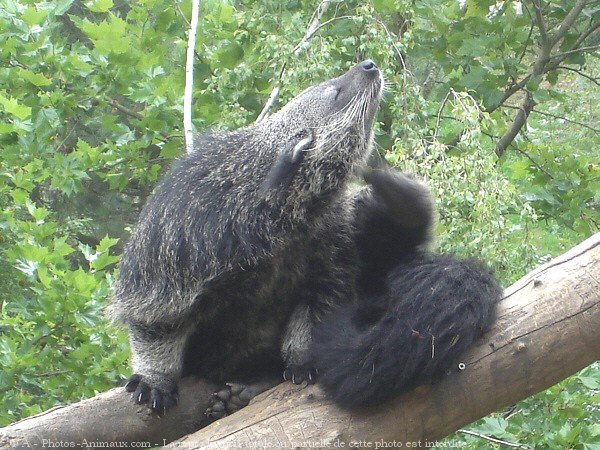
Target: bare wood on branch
546	329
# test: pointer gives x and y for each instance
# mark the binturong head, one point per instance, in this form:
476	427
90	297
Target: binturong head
325	132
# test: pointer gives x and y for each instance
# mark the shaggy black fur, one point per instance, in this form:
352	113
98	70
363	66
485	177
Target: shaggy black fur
416	314
254	238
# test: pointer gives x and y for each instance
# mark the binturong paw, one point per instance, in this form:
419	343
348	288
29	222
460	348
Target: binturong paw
235	396
159	399
298	374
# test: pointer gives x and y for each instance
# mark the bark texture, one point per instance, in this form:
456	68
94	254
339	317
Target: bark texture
547	329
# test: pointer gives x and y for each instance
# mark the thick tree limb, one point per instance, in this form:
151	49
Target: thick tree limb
547	329
519	121
111	417
567	22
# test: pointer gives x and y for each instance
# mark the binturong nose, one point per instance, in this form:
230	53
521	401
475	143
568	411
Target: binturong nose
368	66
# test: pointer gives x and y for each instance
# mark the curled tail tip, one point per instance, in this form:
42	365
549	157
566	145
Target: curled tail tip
423	329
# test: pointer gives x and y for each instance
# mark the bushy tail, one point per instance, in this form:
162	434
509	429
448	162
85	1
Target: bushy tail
434	309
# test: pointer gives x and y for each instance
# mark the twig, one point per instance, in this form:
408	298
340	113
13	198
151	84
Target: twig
583	36
124	109
405	70
491	439
396	49
533	161
270	102
543	113
189	79
50	374
595	80
134	114
527	41
313	27
309	36
522	152
439	114
563	55
178	6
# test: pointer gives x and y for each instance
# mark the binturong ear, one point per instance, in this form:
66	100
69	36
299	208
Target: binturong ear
288	161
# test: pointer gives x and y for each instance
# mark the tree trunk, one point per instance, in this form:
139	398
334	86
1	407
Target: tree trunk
547	329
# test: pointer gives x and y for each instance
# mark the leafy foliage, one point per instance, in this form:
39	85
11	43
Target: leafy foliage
90	114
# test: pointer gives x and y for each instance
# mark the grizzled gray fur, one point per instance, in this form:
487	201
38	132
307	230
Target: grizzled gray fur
250	229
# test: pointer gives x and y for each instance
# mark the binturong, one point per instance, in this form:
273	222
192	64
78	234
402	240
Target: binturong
254	257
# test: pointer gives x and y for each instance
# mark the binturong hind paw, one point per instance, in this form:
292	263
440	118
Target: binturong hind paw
298	374
234	396
159	400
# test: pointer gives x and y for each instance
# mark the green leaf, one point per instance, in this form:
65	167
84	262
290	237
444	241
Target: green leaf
61	248
226	13
87	251
13	107
62	6
477	8
552	77
171	149
32	16
541	95
590	382
534	82
103	260
36	79
20	196
99	6
106	243
39	214
107	36
384	5
230	55
491	97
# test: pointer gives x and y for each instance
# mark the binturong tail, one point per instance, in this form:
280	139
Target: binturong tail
434	308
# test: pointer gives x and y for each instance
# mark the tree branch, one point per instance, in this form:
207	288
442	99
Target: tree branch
563	55
129	112
595	80
539	19
189	79
524	153
583	36
527	41
555	116
312	28
546	329
567	23
494	440
520	120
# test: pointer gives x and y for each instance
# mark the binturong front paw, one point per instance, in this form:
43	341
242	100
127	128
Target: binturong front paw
159	397
298	374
